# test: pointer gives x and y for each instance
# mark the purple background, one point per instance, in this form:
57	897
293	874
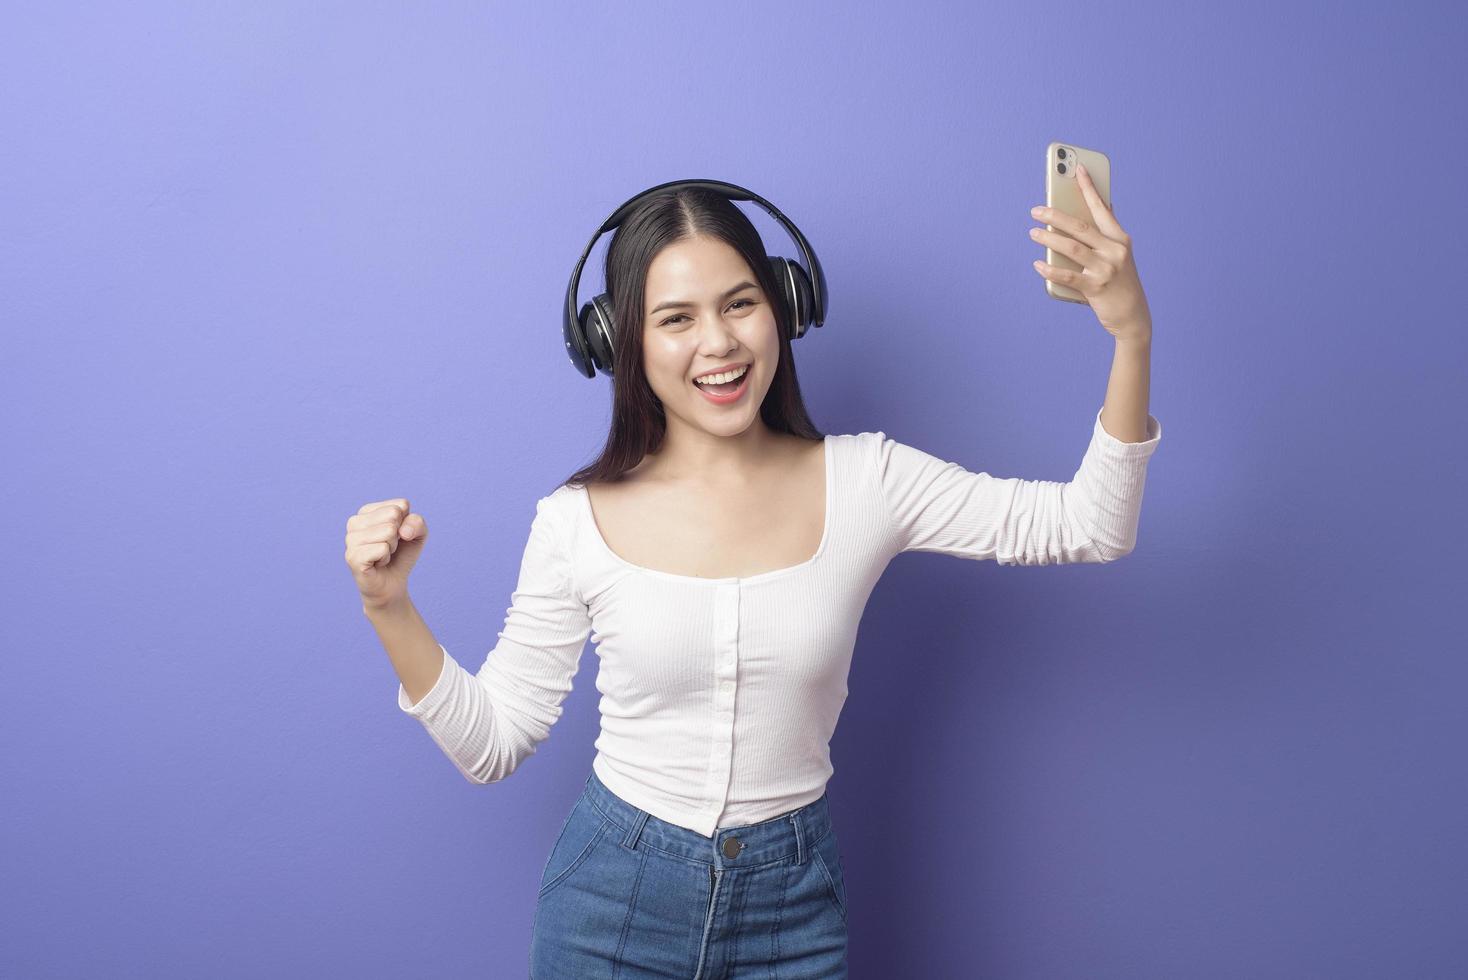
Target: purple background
260	264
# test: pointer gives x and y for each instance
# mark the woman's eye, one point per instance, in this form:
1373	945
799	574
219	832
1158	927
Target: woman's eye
673	319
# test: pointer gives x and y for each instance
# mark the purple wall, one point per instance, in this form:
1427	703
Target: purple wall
260	264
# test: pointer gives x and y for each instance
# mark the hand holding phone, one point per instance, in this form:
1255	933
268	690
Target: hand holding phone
1063	193
1089	252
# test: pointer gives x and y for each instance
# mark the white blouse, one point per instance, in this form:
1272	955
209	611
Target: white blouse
719	696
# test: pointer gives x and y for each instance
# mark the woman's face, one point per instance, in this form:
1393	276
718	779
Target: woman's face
705	311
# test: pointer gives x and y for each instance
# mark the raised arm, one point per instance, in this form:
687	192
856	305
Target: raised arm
490	722
936	505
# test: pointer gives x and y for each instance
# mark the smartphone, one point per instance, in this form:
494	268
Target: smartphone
1063	193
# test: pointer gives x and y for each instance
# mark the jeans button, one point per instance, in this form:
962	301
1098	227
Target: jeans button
732	847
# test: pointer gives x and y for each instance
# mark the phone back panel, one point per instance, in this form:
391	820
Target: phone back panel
1063	193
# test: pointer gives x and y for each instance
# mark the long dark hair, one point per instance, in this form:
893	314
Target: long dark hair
638	421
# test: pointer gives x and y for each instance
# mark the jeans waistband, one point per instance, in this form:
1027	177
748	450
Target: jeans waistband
789	834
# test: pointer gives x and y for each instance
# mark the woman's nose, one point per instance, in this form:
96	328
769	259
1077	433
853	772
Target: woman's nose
717	328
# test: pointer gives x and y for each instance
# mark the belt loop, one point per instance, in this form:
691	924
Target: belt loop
799	838
635	831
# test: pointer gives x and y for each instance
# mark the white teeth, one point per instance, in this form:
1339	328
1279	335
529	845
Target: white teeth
716	379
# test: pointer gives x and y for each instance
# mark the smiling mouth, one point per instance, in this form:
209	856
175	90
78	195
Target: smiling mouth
726	391
726	387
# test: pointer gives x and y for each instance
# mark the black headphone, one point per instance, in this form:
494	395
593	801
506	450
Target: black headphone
589	337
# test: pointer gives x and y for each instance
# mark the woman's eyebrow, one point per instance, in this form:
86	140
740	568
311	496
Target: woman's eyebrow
743	285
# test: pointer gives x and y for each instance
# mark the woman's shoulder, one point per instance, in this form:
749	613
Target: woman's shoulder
560	504
864	437
864	443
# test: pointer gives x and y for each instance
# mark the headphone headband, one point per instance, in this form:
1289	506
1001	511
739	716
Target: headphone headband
734	193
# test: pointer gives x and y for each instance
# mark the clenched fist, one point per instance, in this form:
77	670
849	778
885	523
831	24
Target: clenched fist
384	541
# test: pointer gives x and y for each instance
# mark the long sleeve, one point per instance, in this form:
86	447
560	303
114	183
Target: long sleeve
488	723
939	506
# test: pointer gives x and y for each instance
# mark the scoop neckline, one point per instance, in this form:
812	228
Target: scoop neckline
590	516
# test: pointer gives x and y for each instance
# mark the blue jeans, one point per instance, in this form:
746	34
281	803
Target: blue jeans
627	895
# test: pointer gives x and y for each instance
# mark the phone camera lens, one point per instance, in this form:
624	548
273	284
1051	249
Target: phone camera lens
1060	152
1060	168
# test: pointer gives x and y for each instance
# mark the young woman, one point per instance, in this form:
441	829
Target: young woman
719	553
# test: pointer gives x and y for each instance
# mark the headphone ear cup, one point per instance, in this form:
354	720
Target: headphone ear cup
799	298
598	327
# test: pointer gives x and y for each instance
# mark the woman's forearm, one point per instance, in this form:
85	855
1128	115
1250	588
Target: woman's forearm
1124	415
410	645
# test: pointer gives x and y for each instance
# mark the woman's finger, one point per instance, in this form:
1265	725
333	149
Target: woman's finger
1082	231
1104	218
1066	277
1069	247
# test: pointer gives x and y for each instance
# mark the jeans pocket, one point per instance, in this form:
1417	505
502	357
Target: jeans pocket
584	827
826	853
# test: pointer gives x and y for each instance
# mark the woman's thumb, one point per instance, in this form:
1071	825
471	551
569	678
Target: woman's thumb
413	528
